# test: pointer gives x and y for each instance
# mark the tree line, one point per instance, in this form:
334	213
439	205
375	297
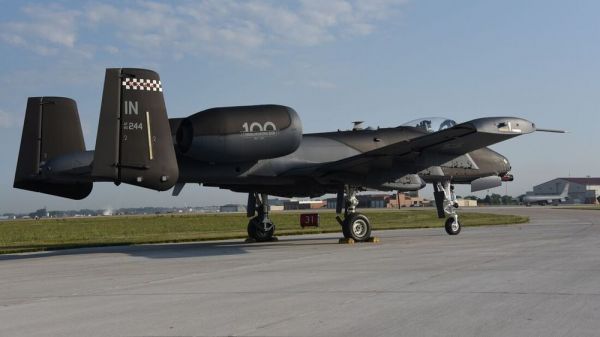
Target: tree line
495	199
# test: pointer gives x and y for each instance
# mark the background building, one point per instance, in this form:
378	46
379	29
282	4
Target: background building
232	208
367	201
409	200
402	199
466	203
581	190
303	204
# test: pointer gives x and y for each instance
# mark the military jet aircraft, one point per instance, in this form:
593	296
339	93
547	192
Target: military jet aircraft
259	150
547	199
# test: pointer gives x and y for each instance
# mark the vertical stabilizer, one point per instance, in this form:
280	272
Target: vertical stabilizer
565	192
51	129
134	143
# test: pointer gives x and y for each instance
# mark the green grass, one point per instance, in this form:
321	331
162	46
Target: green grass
48	234
583	207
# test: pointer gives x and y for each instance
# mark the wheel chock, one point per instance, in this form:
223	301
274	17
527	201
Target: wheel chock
251	240
351	241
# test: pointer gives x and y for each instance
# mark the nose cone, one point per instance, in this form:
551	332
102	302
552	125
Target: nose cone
493	163
504	164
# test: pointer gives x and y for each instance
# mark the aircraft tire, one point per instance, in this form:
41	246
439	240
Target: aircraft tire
451	227
256	230
357	227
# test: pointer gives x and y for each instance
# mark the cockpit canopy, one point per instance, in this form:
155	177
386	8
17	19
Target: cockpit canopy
432	124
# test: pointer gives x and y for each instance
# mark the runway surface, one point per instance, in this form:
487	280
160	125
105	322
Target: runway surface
537	279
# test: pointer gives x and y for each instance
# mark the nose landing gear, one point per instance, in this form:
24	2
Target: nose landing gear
452	225
445	201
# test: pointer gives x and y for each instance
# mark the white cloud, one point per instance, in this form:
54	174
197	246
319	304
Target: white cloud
7	120
66	71
46	29
236	29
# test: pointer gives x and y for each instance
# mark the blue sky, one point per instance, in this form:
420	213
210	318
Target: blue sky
383	61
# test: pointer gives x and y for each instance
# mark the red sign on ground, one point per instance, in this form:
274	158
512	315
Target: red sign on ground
309	220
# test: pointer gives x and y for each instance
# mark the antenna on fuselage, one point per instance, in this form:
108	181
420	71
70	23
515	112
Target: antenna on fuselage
357	125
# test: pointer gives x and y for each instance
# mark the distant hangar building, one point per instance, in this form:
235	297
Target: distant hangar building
581	190
231	208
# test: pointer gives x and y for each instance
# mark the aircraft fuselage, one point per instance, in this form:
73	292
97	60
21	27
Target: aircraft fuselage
277	176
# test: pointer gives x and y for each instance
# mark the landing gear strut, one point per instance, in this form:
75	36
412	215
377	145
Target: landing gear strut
355	226
445	201
260	228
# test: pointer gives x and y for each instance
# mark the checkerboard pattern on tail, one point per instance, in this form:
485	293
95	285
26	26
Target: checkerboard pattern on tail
142	84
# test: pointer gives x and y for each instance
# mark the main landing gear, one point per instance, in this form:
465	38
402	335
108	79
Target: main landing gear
355	226
260	228
445	201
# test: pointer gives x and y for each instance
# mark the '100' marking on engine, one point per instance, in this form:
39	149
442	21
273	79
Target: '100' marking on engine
257	129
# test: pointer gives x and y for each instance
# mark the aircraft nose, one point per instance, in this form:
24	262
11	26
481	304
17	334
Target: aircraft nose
504	164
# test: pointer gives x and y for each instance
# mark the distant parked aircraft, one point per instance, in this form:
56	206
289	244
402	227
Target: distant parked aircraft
546	199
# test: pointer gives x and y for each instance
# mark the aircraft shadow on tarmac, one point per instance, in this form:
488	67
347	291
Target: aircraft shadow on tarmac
173	250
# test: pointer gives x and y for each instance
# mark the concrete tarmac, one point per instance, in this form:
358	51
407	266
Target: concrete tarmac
537	279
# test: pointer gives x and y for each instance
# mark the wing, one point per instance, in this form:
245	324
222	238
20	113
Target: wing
434	149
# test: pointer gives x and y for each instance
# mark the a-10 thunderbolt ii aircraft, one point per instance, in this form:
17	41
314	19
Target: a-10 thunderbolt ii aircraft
259	150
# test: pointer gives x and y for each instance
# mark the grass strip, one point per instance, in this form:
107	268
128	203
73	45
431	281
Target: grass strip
51	234
580	208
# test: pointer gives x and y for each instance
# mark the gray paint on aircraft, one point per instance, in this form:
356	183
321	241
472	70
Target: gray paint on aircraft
259	149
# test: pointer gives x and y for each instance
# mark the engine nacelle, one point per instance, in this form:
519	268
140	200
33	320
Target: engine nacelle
240	134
